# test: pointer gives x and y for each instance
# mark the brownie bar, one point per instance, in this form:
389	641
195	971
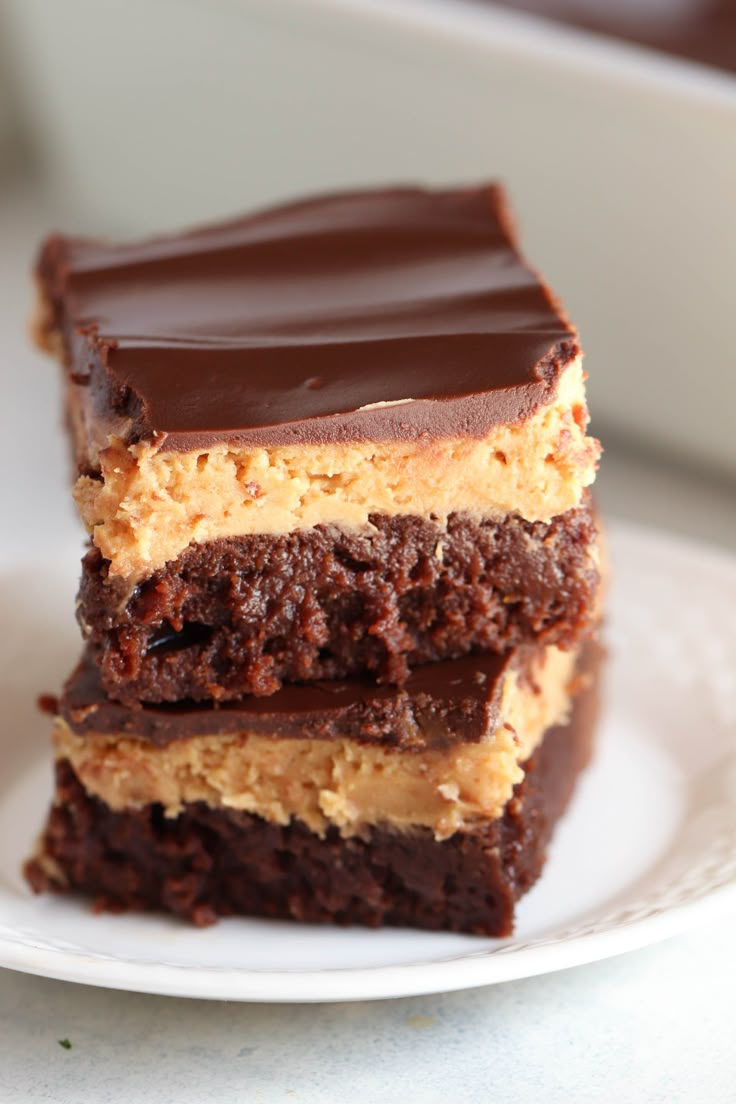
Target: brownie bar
436	784
384	353
243	616
209	862
342	436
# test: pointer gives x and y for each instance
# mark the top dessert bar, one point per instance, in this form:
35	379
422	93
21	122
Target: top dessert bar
393	319
334	366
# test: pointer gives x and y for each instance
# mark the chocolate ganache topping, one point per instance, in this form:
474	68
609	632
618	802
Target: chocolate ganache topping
378	315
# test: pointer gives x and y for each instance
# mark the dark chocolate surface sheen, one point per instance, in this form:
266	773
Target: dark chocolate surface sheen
440	703
285	325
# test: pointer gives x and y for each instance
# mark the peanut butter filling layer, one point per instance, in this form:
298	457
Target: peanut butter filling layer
339	782
147	505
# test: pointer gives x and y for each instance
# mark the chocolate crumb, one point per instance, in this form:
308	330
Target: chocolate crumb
47	703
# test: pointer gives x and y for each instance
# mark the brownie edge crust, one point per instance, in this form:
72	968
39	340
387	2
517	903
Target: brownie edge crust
207	863
243	616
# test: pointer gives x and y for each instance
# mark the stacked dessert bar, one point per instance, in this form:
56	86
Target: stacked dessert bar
342	592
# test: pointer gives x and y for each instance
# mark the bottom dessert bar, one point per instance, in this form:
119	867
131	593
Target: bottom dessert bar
208	862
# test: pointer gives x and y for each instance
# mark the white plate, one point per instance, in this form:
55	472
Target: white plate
648	847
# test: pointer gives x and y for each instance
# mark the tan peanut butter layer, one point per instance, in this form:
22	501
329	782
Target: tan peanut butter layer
149	504
340	782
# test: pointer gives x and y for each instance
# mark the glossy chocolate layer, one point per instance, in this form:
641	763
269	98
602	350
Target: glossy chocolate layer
439	704
374	315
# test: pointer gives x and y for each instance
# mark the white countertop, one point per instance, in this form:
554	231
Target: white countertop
656	1025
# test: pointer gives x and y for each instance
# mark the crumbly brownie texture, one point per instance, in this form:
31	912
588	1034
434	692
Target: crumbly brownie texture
207	863
237	617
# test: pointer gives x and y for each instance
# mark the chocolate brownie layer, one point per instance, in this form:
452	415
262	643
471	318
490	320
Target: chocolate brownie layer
207	863
237	617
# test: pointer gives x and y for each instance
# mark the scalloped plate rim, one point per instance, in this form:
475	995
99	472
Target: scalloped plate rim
599	939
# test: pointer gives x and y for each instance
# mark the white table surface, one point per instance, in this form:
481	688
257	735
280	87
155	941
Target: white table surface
656	1025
